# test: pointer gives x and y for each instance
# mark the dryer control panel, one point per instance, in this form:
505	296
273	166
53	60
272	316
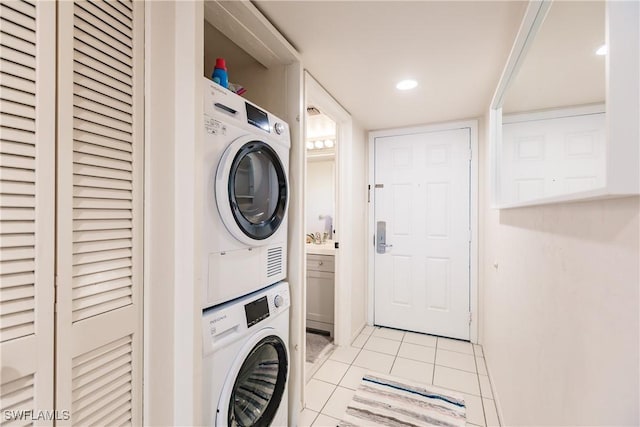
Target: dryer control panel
223	107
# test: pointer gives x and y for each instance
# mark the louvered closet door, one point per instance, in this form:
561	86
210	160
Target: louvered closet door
27	149
99	241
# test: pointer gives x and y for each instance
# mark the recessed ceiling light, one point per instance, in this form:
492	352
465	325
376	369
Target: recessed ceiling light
310	145
319	144
406	84
328	143
602	50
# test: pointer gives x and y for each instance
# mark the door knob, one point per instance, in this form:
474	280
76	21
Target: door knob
381	231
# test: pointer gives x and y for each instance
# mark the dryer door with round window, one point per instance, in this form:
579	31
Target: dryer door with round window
253	202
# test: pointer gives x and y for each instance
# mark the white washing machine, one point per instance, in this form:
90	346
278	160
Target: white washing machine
246	196
246	360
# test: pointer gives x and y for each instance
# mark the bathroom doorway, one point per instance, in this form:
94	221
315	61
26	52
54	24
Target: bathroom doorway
326	293
320	251
334	265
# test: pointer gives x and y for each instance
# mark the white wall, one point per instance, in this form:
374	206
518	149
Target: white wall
560	323
359	224
320	194
188	212
217	45
261	83
158	393
172	353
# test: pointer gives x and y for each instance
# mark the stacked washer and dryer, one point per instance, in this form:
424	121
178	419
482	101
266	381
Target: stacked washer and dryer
245	300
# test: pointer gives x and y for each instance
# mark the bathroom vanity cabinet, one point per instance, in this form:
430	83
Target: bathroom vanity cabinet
320	292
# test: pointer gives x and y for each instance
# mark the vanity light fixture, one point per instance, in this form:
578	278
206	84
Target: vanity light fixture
319	144
602	50
328	143
406	84
310	145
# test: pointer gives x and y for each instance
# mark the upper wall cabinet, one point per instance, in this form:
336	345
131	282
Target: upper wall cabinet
565	116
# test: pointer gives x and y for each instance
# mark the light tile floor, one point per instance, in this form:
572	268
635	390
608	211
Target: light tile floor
452	364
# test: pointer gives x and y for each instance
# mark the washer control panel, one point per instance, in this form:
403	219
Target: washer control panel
257	310
279	300
227	322
267	303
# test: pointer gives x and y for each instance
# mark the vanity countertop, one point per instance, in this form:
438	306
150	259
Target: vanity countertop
326	248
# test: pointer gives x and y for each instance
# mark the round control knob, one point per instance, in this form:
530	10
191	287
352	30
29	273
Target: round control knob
279	128
277	301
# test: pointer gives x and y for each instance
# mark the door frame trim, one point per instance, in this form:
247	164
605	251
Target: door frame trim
472	125
316	94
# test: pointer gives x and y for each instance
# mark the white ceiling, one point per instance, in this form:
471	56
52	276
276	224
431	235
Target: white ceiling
359	50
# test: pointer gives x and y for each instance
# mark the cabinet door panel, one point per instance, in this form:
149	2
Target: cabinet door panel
27	161
99	221
320	296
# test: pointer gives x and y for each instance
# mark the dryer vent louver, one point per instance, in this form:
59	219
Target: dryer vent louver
274	261
313	111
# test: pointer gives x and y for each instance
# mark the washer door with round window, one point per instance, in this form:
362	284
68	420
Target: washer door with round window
256	384
251	190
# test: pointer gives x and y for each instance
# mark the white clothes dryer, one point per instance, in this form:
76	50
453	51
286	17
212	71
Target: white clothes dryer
246	360
246	196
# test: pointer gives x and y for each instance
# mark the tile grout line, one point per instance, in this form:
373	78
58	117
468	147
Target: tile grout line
345	373
401	342
323	381
395	359
456	351
354	359
396	356
484	411
366	340
325	403
493	394
451	367
327	382
376	351
321	361
329	398
341	378
314	418
457	391
356	356
435	355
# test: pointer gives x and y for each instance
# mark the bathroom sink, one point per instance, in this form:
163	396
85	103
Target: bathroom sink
326	248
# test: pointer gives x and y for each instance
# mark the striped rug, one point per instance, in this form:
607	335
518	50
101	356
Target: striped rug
383	400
